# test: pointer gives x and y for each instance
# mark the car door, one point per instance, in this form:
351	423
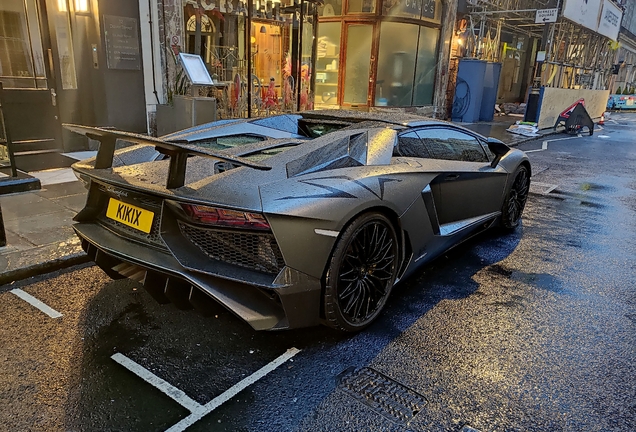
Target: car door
468	186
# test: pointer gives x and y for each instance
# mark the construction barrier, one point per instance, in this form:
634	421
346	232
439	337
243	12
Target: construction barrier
553	102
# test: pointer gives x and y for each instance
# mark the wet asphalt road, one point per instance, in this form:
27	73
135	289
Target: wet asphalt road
529	331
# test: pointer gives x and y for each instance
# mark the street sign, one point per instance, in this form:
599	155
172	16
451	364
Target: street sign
545	16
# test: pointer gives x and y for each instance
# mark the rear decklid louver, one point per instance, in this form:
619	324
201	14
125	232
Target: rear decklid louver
178	152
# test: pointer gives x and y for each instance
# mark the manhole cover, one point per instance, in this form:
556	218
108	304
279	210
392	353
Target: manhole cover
384	395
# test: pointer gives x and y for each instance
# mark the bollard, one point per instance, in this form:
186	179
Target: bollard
3	235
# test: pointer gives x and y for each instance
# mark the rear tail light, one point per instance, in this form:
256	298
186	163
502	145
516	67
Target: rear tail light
224	217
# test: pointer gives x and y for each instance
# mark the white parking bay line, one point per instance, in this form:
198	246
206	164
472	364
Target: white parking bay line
544	145
36	303
232	391
547	186
177	395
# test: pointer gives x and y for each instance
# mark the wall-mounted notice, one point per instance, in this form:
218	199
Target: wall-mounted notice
122	43
610	22
583	12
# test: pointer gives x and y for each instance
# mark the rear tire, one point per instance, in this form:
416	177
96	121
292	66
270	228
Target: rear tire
361	273
516	199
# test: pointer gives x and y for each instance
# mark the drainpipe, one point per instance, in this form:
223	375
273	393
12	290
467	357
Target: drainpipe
152	52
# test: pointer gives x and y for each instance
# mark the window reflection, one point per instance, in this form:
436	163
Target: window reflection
396	66
330	8
356	88
65	50
425	67
404	8
327	64
20	45
361	6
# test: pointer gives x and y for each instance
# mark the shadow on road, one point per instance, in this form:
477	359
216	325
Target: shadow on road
205	356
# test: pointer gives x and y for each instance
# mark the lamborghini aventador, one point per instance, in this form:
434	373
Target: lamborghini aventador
297	219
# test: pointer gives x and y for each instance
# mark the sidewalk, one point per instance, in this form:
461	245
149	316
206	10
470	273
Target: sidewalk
497	129
38	223
38	227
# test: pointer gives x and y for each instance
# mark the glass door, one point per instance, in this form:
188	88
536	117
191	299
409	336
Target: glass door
358	64
327	65
21	53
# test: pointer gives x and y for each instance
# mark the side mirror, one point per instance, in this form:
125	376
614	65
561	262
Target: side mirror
498	148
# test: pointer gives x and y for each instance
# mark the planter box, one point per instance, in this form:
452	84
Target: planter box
185	112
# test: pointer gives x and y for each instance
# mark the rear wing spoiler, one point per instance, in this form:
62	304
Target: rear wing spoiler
177	151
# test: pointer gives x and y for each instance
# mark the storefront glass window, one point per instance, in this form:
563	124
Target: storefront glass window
396	64
268	58
358	66
21	58
327	64
402	8
425	67
330	8
360	6
306	95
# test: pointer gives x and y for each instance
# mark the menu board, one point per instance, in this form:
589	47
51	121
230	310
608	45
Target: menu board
122	43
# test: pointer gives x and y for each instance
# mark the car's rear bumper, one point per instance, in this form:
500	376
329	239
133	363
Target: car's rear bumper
291	300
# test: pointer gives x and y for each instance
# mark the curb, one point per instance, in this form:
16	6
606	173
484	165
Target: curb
526	139
43	268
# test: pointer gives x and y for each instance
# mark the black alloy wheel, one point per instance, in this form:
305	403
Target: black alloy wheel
361	273
516	200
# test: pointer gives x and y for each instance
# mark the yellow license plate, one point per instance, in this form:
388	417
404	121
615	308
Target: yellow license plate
130	215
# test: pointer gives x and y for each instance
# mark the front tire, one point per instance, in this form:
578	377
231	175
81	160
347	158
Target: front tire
361	273
516	199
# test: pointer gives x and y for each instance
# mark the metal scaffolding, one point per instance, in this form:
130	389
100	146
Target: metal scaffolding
575	57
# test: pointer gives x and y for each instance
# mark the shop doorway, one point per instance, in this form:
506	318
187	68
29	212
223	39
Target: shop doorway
359	63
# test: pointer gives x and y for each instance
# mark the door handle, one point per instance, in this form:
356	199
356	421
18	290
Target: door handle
53	97
452	177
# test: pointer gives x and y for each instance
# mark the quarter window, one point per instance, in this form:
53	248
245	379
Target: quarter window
450	144
410	145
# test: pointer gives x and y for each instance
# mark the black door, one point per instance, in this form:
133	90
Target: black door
467	186
28	74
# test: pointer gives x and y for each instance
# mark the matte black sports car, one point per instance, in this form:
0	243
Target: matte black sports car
296	231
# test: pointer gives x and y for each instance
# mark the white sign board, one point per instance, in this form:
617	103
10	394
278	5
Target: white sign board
583	12
610	22
546	16
195	69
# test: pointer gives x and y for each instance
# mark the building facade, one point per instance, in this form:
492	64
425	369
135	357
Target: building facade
68	61
358	54
377	53
625	60
547	53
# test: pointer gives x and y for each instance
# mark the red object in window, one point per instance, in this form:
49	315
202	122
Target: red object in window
271	98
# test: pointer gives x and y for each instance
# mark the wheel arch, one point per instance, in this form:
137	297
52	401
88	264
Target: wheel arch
526	163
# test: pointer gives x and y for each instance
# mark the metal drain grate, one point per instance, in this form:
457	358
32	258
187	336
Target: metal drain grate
384	395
